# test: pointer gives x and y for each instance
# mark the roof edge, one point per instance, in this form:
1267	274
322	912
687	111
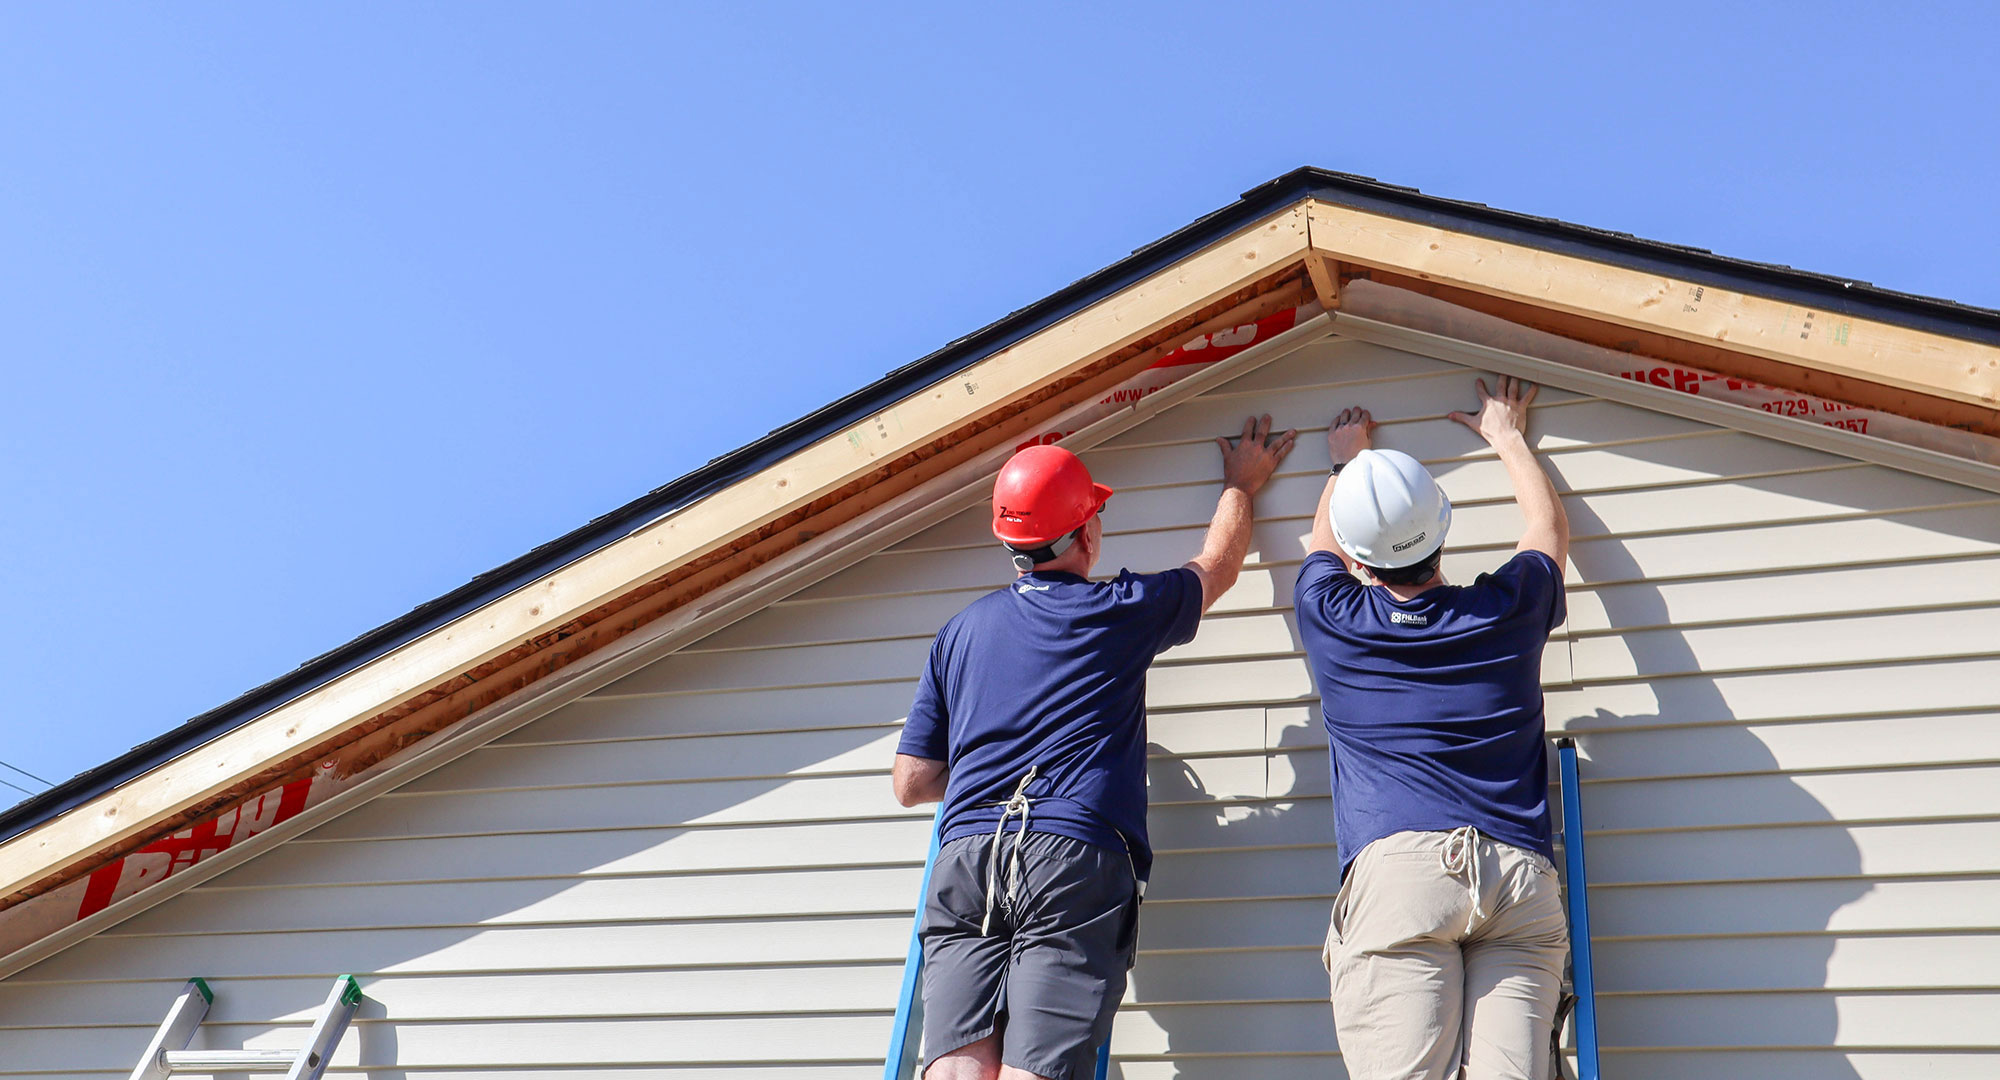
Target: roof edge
1831	293
602	531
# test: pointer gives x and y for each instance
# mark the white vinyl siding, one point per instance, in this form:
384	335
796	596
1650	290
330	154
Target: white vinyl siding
1783	669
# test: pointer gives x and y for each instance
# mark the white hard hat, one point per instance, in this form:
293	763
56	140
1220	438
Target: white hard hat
1387	511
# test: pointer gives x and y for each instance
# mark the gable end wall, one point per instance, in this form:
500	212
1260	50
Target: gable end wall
1783	668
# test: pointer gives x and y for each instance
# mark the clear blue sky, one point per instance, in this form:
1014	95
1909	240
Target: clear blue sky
314	311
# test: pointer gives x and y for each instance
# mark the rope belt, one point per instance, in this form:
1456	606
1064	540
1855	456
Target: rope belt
1019	804
1460	855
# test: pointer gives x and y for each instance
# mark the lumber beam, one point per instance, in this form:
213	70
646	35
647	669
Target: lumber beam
1652	345
1325	276
674	592
817	555
1175	296
1864	349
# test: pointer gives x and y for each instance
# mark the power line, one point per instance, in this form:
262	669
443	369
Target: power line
17	787
27	774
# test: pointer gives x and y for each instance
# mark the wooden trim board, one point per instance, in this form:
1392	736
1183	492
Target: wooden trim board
1258	252
1649	344
1788	429
1326	240
840	547
1898	356
1325	276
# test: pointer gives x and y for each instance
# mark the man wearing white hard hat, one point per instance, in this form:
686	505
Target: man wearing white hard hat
1447	938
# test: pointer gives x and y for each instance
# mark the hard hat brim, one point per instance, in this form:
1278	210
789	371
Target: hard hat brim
1021	539
1418	554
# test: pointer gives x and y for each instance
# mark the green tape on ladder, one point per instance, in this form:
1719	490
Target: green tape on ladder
168	1052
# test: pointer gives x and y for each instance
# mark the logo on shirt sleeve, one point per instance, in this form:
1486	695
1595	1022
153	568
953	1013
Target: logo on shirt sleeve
1406	618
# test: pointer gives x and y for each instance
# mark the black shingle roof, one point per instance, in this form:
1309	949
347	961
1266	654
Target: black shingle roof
1821	291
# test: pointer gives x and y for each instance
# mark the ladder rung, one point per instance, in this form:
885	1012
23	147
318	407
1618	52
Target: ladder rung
210	1061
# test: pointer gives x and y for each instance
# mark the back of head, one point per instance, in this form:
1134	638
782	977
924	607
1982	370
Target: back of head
1388	512
1043	495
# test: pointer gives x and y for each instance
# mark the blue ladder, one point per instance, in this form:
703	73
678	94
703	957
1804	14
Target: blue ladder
907	1030
1577	888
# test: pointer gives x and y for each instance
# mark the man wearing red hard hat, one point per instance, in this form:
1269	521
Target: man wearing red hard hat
1029	724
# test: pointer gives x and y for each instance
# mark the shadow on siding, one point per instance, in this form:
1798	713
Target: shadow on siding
458	925
1640	1005
1241	992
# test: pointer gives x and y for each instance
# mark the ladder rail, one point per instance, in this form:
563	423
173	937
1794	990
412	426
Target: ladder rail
326	1032
1578	893
168	1052
907	1030
176	1031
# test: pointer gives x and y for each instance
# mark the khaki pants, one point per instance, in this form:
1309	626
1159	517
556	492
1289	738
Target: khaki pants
1424	985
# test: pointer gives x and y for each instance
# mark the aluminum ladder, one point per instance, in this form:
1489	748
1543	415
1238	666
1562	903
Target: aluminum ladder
168	1054
908	1029
1576	888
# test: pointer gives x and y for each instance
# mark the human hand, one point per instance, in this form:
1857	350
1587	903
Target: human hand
1503	415
1250	462
1350	433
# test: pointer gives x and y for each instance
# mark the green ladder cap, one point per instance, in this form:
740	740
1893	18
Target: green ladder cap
202	985
350	996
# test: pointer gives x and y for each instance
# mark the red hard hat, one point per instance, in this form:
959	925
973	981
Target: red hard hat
1042	494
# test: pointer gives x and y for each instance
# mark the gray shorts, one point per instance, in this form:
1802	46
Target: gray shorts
1051	971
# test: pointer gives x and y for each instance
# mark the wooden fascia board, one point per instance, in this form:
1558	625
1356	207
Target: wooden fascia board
846	544
1927	363
1218	270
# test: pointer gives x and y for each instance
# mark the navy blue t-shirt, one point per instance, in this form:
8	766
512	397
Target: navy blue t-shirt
1050	672
1433	705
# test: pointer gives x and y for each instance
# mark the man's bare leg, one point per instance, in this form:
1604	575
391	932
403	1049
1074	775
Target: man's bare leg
977	1061
973	1061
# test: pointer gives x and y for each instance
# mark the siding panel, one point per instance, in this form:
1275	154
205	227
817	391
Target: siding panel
1783	668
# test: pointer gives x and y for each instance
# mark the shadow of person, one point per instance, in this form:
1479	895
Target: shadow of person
1231	929
1678	892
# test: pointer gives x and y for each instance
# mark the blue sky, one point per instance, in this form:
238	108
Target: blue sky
314	311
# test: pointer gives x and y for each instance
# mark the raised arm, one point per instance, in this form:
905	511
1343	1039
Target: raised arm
1350	433
1246	468
1502	421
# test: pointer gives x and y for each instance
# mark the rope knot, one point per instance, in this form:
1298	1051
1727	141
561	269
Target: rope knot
1460	856
1019	805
